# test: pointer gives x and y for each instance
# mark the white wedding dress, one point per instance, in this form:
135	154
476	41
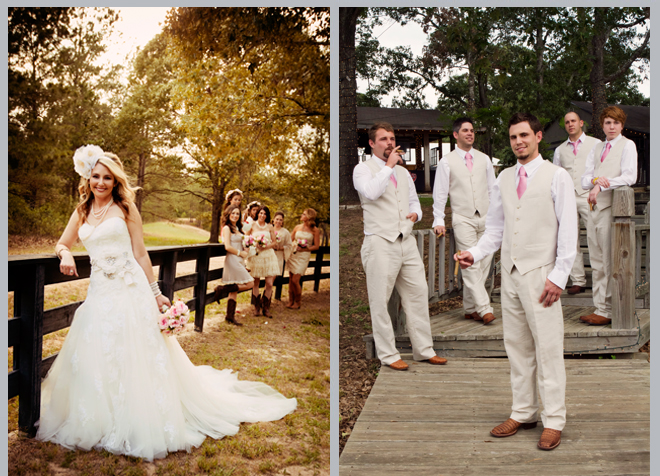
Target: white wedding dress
118	384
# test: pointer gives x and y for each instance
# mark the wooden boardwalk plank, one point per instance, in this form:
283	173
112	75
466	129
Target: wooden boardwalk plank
435	420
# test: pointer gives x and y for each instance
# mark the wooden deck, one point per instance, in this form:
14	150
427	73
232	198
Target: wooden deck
455	336
435	420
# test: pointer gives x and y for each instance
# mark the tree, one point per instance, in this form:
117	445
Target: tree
247	81
348	137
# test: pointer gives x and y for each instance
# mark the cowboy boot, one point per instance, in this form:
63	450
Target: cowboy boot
256	302
231	311
224	290
266	306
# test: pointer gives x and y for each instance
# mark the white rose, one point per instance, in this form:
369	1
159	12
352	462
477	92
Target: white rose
85	159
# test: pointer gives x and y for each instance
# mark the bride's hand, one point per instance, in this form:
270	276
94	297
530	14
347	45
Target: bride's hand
162	301
68	264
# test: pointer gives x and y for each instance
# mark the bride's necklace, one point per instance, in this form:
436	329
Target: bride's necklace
100	214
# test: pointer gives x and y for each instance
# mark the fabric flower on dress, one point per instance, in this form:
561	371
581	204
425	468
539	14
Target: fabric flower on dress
85	159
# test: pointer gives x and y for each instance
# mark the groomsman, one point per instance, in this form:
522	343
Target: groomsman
390	258
610	164
467	177
572	156
533	217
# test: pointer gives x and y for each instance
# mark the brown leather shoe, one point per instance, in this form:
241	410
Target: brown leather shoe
398	365
435	360
488	318
575	290
550	439
510	428
596	320
475	315
469	316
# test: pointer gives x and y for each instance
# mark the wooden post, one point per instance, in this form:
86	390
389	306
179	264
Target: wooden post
427	163
32	313
202	270
318	265
279	281
431	270
647	221
167	274
622	281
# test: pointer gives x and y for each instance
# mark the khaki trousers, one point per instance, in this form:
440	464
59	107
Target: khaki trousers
467	232
534	342
397	265
578	276
599	239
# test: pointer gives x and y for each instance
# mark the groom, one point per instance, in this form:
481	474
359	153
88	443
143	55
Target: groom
533	216
390	258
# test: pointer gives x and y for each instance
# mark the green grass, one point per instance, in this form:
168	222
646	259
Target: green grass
169	234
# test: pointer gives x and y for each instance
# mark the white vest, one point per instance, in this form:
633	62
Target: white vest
468	191
530	223
576	164
386	216
610	168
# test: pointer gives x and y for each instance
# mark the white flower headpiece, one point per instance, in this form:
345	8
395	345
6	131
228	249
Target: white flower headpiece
86	158
232	191
251	204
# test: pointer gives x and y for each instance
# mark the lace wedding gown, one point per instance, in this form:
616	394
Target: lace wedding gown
118	384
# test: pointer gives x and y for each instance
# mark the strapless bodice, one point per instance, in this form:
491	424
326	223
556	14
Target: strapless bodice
110	249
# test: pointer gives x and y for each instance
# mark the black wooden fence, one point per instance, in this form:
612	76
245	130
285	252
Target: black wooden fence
29	274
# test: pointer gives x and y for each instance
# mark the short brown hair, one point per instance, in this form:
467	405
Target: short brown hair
531	119
615	113
379	125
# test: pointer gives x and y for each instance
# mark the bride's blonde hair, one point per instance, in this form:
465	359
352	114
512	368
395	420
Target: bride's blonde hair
123	193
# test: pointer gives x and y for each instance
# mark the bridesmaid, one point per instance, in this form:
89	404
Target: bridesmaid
235	277
307	232
263	264
250	215
283	239
233	198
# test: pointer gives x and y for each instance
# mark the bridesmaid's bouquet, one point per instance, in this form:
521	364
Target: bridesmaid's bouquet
302	243
173	320
263	240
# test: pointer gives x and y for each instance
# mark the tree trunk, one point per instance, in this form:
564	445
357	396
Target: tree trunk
597	75
471	95
142	166
348	136
216	212
540	49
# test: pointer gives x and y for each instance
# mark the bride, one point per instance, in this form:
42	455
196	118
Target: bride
119	384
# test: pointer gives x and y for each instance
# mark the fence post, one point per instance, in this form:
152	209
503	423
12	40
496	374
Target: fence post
318	264
32	314
279	280
167	274
396	313
202	270
622	281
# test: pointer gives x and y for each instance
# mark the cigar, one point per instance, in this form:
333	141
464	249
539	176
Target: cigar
458	253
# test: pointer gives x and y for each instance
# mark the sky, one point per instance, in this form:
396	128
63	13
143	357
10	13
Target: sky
390	34
135	28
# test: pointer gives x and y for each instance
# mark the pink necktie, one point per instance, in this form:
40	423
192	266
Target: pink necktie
575	144
468	160
522	184
393	178
607	151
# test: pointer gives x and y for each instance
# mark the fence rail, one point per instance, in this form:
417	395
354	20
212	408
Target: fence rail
29	274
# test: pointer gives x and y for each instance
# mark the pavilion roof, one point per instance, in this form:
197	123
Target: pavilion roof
420	120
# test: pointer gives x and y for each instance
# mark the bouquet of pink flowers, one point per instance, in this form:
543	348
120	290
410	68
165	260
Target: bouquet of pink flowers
302	243
248	240
263	240
277	237
173	320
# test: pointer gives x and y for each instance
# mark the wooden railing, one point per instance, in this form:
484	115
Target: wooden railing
29	274
630	247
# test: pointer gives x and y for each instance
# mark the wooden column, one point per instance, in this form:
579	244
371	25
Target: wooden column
396	313
427	163
202	270
31	296
622	281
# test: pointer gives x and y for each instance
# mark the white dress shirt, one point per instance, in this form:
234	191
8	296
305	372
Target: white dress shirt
562	192
556	159
372	187
441	185
628	167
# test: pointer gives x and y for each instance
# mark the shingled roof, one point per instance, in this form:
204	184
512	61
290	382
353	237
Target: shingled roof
423	120
638	120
